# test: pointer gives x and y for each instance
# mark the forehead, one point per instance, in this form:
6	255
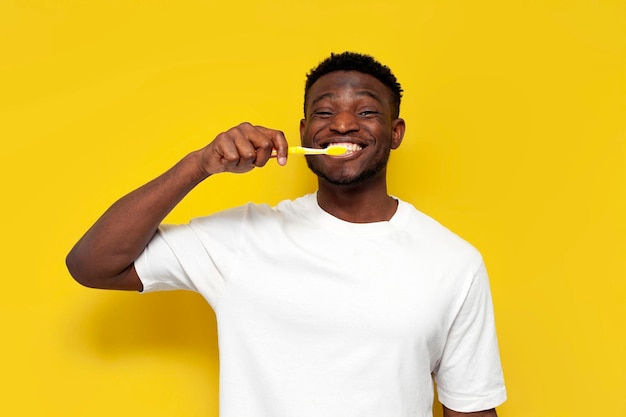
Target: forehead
351	83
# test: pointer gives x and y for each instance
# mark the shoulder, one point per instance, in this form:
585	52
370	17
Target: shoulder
254	212
435	236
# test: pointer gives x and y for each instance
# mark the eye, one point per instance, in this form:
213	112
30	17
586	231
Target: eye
367	113
322	114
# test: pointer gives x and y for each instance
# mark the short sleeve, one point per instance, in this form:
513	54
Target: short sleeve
177	258
469	375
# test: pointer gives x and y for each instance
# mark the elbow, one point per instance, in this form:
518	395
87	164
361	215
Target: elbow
82	268
90	272
75	268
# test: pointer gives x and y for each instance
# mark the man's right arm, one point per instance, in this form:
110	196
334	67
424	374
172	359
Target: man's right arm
104	257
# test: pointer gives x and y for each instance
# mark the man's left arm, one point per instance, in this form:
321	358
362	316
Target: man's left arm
451	413
469	374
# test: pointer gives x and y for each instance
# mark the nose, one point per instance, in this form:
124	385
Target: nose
344	122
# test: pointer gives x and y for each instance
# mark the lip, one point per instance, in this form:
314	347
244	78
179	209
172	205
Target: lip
354	147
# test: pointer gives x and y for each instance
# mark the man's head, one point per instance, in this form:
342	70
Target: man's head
352	61
353	101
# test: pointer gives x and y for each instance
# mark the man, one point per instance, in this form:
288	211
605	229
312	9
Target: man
345	302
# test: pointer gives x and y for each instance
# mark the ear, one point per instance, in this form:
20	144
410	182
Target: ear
397	132
302	126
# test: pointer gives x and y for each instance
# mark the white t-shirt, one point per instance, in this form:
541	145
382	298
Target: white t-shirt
321	317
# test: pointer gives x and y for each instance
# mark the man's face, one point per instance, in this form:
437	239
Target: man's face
353	109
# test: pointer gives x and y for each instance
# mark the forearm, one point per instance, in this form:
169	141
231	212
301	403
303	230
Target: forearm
110	246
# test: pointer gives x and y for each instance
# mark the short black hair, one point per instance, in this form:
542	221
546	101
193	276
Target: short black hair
353	61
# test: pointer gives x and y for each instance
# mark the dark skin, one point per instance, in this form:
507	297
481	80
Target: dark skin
487	413
341	107
351	107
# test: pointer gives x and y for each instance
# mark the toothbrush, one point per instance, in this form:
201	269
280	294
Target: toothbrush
300	150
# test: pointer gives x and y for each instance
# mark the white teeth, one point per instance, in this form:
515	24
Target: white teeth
351	147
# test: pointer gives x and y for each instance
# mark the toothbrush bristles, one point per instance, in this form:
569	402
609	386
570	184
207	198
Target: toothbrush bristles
336	150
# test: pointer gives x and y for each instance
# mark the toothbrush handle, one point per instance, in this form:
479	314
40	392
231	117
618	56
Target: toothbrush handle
300	150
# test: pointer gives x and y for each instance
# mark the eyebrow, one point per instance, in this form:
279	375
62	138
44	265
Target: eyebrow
359	93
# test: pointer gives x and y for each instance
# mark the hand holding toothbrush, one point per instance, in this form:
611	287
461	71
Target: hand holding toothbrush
245	147
242	148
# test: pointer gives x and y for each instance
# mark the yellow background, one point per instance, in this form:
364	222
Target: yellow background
516	140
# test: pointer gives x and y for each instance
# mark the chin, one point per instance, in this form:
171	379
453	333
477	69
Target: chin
350	180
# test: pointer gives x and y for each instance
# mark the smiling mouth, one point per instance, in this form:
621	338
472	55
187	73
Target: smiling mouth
350	147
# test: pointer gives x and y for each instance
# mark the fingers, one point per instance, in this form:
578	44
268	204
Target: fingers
279	143
244	147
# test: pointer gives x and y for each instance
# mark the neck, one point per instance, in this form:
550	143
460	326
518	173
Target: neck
357	204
